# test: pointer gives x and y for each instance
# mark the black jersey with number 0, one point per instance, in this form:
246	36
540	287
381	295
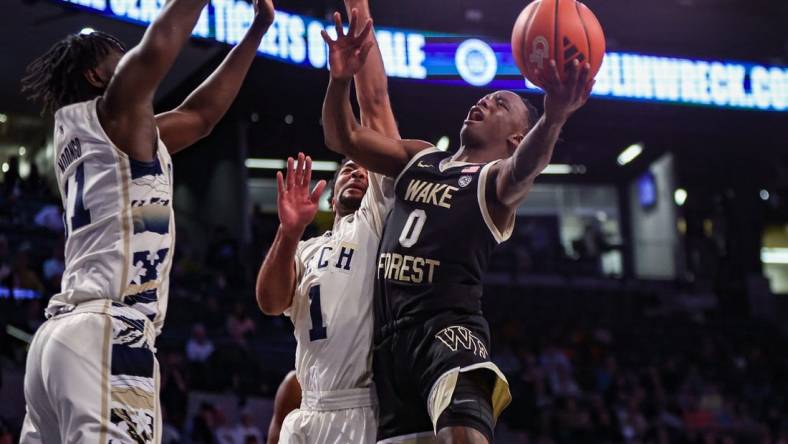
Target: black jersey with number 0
436	243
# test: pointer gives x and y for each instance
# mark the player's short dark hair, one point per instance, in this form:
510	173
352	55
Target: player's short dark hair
334	179
533	113
56	78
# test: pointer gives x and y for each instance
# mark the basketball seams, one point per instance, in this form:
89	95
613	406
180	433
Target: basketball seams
585	30
528	23
532	36
556	44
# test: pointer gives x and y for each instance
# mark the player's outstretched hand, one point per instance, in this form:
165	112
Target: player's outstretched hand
264	11
296	204
564	97
347	54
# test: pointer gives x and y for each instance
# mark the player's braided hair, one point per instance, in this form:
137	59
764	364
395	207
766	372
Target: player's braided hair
56	78
533	113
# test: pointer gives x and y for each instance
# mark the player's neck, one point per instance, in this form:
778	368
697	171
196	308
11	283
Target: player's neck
340	213
475	154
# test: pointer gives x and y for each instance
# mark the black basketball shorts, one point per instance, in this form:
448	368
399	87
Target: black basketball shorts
417	367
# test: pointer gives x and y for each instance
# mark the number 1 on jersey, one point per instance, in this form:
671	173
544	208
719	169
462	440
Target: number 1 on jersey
80	215
318	331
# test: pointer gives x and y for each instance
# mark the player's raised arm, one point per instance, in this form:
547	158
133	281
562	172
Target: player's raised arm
297	207
202	110
515	175
343	133
126	109
372	88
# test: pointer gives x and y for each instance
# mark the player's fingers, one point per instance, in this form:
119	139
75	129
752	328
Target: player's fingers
582	79
307	171
338	24
539	77
365	32
326	37
552	78
280	183
300	170
570	78
290	174
589	87
318	191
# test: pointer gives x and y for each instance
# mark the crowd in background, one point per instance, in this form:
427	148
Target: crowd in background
575	377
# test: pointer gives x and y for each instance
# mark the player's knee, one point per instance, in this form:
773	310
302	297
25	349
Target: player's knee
461	435
469	417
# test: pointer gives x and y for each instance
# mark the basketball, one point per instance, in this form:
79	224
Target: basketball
564	30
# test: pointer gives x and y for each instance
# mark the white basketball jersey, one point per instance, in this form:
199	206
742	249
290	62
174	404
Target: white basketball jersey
332	304
119	218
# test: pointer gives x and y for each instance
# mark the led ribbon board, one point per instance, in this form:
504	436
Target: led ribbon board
470	61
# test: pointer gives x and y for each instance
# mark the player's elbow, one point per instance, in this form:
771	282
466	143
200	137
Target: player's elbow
337	142
204	127
199	120
511	191
270	300
269	306
331	141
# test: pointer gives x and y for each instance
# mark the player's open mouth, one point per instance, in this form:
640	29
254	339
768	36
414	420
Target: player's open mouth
476	115
355	186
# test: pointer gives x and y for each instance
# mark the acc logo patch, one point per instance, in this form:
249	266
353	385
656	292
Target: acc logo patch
465	181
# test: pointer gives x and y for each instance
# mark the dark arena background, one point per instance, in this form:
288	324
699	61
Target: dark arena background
644	293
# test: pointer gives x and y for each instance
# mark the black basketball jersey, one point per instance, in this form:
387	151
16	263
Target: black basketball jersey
436	243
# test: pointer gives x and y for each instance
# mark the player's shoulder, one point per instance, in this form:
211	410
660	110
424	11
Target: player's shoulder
308	245
417	161
76	112
415	146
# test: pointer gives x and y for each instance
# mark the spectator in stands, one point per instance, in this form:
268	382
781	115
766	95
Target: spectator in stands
224	257
53	268
224	433
35	186
199	348
24	277
6	270
169	433
555	363
187	264
213	318
633	425
12	182
203	425
174	385
246	431
50	216
239	325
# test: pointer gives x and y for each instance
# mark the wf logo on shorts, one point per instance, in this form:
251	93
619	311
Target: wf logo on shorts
456	337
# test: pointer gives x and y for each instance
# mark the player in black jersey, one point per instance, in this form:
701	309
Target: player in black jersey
431	361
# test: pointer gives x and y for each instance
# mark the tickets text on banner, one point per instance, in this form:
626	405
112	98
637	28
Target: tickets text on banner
471	61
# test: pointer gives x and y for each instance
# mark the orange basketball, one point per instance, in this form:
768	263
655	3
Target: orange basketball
564	30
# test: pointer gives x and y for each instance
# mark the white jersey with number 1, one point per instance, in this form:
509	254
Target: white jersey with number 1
332	315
